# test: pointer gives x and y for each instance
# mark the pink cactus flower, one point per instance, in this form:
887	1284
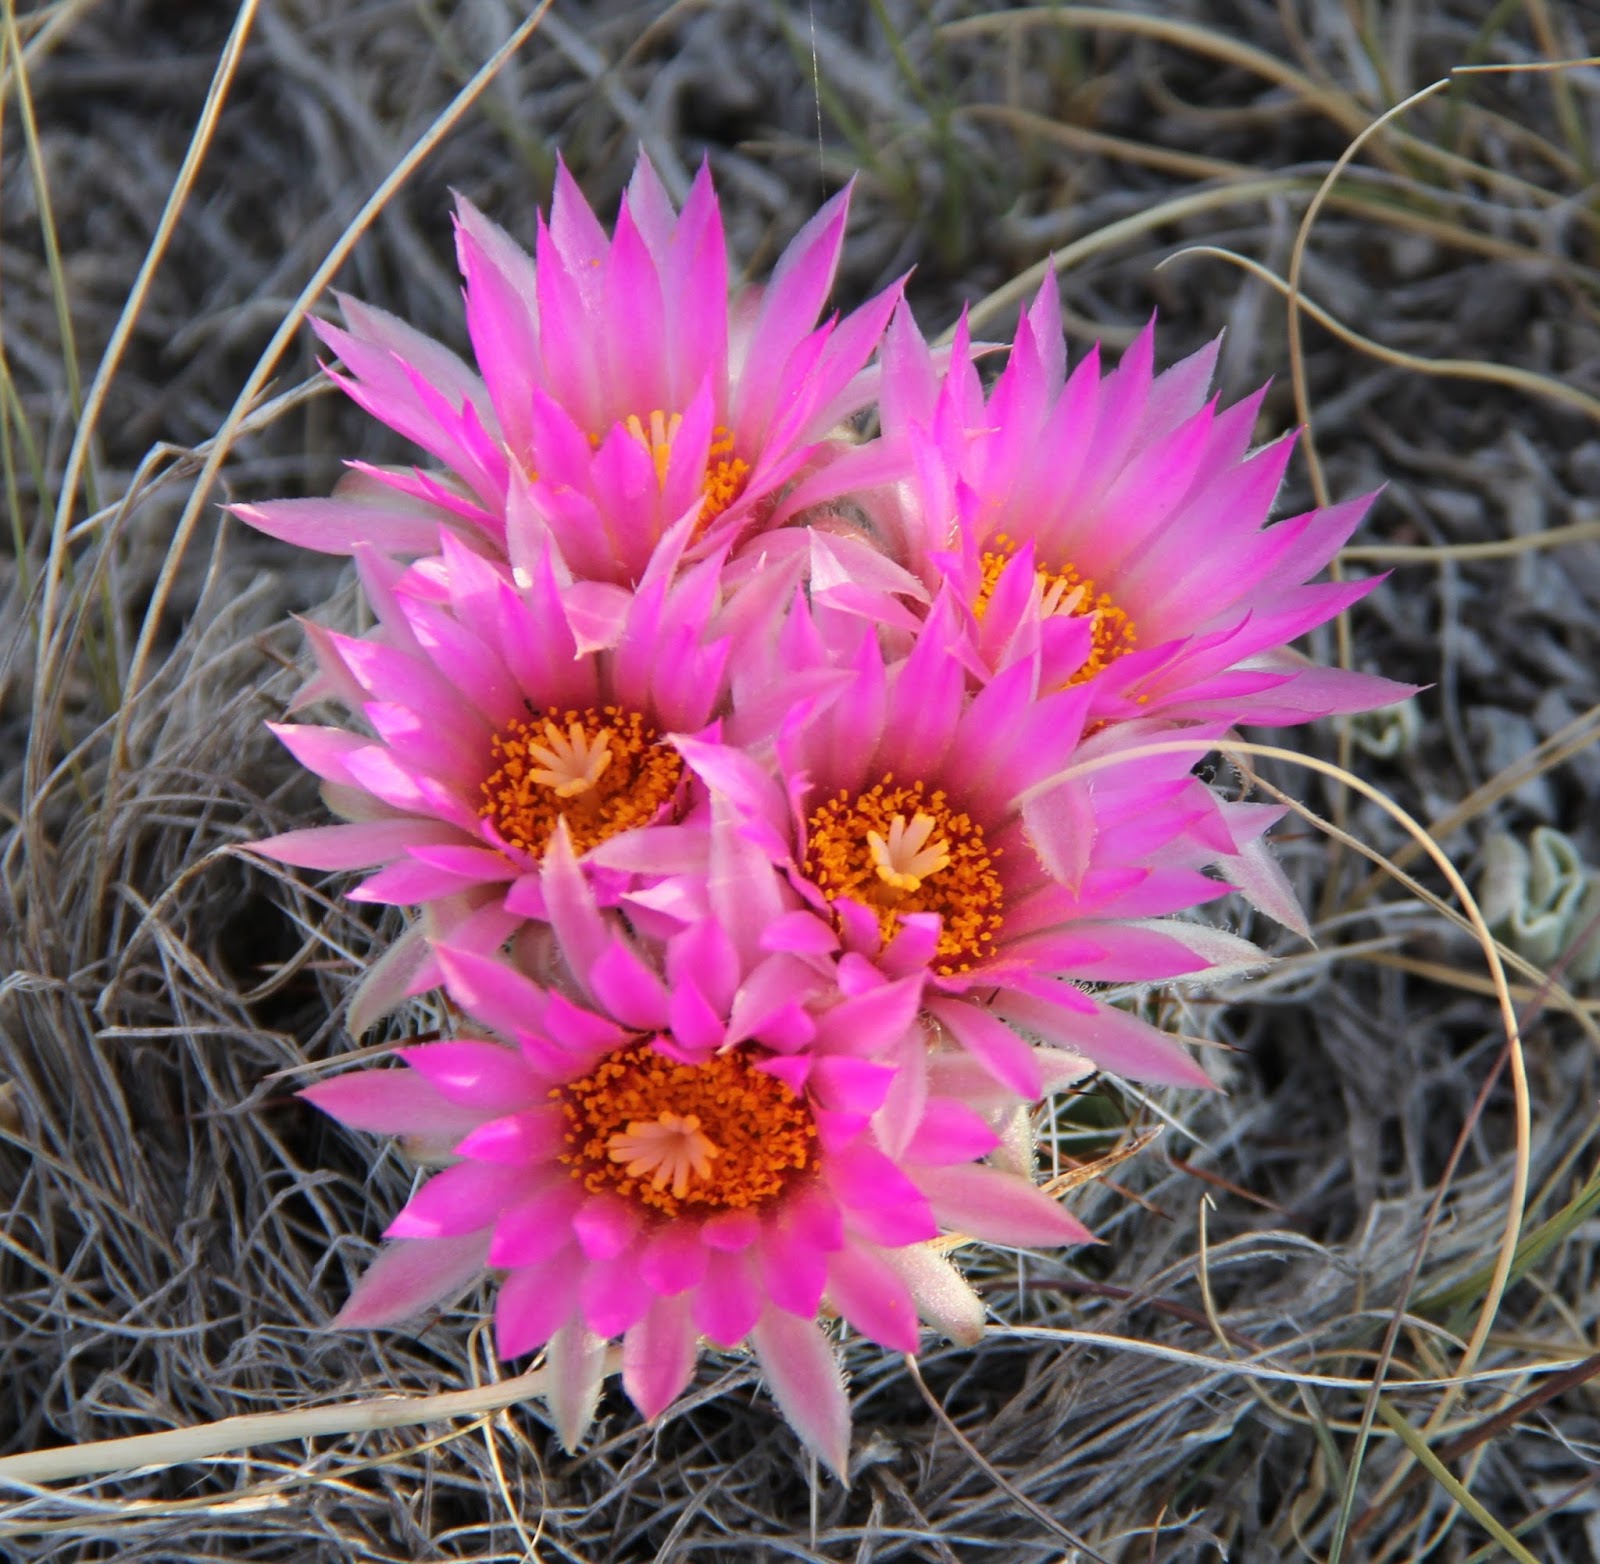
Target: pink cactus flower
940	832
701	1137
494	717
1118	521
618	393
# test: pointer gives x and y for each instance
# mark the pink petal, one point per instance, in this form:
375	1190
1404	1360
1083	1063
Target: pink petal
1002	1052
613	1297
389	1102
465	1198
794	1268
673	1259
658	1356
535	1301
869	1293
950	1132
517	1139
727	1302
627	988
491	991
334	847
538	1228
605	1226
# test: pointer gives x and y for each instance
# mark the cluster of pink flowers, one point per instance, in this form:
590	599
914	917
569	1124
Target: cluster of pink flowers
772	799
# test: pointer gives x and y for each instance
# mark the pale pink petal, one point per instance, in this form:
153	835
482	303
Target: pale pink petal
1111	1039
941	1293
803	1372
412	1276
998	1207
575	1363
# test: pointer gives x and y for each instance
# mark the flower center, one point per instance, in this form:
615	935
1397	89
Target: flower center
902	849
725	472
603	770
1065	591
717	1136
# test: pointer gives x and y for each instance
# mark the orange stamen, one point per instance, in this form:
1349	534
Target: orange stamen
902	849
603	770
717	1136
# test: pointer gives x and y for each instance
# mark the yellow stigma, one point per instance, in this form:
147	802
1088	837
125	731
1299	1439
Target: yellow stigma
725	472
1064	591
674	1137
671	1149
906	857
902	849
602	770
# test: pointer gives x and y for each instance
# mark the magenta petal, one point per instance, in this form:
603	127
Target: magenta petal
606	1225
802	1371
627	988
727	1302
613	1296
658	1356
999	1208
536	1135
869	1293
535	1301
491	991
535	1229
673	1259
465	1198
409	1277
794	1269
851	1085
485	1076
730	1231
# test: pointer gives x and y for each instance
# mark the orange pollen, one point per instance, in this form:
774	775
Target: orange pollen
1064	591
902	849
674	1137
725	472
603	770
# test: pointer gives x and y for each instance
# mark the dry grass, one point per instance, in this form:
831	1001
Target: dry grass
174	1227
